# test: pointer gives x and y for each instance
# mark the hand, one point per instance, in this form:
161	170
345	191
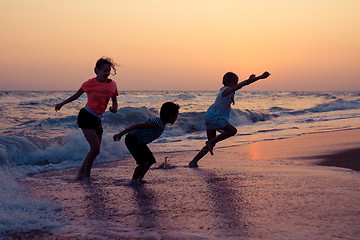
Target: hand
252	76
57	107
265	75
113	110
117	137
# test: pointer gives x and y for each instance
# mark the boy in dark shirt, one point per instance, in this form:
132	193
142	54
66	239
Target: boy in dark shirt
139	135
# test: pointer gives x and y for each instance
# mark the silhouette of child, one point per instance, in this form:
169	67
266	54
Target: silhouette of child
139	135
217	115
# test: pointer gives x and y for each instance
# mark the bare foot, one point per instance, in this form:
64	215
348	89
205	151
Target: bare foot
143	181
193	164
84	179
80	176
135	183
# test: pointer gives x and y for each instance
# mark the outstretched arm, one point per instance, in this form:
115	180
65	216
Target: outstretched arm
70	99
118	136
251	79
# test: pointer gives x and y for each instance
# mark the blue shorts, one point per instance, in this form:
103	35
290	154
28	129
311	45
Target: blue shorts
215	124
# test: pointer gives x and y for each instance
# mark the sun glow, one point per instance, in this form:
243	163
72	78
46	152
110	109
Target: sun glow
180	45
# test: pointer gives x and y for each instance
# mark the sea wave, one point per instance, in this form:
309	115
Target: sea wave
20	212
129	116
338	104
67	153
33	134
249	116
187	122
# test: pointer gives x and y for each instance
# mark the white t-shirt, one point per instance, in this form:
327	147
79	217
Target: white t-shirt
221	108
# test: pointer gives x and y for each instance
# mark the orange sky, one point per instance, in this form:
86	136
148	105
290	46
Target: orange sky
181	44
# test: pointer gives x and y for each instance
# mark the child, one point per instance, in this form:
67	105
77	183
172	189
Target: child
139	135
217	116
99	91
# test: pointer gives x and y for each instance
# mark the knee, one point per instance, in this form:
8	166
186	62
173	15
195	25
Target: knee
95	151
233	131
148	164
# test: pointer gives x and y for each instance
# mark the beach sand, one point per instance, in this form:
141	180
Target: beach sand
306	187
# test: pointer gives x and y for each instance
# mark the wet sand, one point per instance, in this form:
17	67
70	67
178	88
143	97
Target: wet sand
305	187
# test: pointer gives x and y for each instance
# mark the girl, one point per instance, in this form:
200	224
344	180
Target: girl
217	116
99	91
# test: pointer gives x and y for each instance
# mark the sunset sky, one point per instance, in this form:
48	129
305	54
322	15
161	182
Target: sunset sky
181	44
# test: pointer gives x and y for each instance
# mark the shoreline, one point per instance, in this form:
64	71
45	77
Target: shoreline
338	148
344	159
271	190
335	146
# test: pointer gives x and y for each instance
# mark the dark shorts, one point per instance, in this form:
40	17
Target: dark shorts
140	152
88	121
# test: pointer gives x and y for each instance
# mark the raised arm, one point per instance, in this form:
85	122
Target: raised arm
238	86
70	99
118	136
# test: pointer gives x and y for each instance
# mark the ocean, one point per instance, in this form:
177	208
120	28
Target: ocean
34	138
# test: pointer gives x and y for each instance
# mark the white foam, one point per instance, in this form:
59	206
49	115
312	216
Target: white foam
15	151
20	213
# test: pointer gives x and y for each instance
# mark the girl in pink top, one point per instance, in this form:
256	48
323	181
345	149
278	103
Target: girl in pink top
99	91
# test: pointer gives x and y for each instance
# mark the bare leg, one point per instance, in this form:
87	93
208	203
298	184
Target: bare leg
137	172
228	131
141	170
211	134
145	170
94	141
198	156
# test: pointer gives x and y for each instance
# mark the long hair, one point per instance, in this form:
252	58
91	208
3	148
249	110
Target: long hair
103	61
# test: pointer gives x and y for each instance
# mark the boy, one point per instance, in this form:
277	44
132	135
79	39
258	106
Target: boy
139	135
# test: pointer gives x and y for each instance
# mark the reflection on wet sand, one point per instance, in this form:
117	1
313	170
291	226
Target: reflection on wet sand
95	199
145	200
230	196
227	205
